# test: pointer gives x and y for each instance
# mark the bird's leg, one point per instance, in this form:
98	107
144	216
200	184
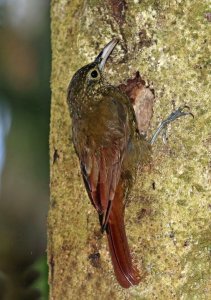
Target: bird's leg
172	117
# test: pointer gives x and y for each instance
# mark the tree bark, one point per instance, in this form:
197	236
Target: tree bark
168	214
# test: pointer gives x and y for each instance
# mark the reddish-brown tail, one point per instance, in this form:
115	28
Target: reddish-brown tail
126	274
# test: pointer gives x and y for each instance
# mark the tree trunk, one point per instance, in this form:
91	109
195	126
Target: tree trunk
168	213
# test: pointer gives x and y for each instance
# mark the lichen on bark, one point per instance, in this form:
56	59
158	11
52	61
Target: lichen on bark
168	214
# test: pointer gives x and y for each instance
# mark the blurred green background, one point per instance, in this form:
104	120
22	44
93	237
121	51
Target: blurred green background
24	125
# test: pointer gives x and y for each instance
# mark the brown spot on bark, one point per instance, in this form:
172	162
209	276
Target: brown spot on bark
208	16
142	98
55	156
145	41
53	202
143	213
153	185
172	235
186	243
97	234
118	9
89	276
94	259
52	264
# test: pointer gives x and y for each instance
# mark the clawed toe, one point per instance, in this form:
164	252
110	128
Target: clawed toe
183	113
172	117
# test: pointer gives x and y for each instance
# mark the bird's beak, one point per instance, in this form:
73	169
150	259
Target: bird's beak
104	54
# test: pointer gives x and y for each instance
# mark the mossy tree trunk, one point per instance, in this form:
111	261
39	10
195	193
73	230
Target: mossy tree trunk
168	214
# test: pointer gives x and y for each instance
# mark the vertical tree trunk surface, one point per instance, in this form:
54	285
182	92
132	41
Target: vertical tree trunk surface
168	214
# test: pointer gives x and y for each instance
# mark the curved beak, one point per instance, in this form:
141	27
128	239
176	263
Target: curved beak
105	53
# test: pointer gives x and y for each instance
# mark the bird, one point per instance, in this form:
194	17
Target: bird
110	149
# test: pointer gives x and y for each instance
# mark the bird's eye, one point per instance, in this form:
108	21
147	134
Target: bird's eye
94	74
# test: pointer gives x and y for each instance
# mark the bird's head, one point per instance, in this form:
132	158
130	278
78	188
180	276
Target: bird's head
86	79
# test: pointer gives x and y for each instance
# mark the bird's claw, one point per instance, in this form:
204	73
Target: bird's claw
172	117
180	112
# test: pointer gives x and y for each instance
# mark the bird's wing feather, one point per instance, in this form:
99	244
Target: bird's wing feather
101	165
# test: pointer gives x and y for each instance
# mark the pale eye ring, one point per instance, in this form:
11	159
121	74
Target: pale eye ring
94	74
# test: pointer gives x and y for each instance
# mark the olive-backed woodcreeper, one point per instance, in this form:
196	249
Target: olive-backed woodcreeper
109	148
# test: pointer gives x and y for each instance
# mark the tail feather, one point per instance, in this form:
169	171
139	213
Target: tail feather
126	274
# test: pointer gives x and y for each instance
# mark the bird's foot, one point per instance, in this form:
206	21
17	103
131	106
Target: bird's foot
171	118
